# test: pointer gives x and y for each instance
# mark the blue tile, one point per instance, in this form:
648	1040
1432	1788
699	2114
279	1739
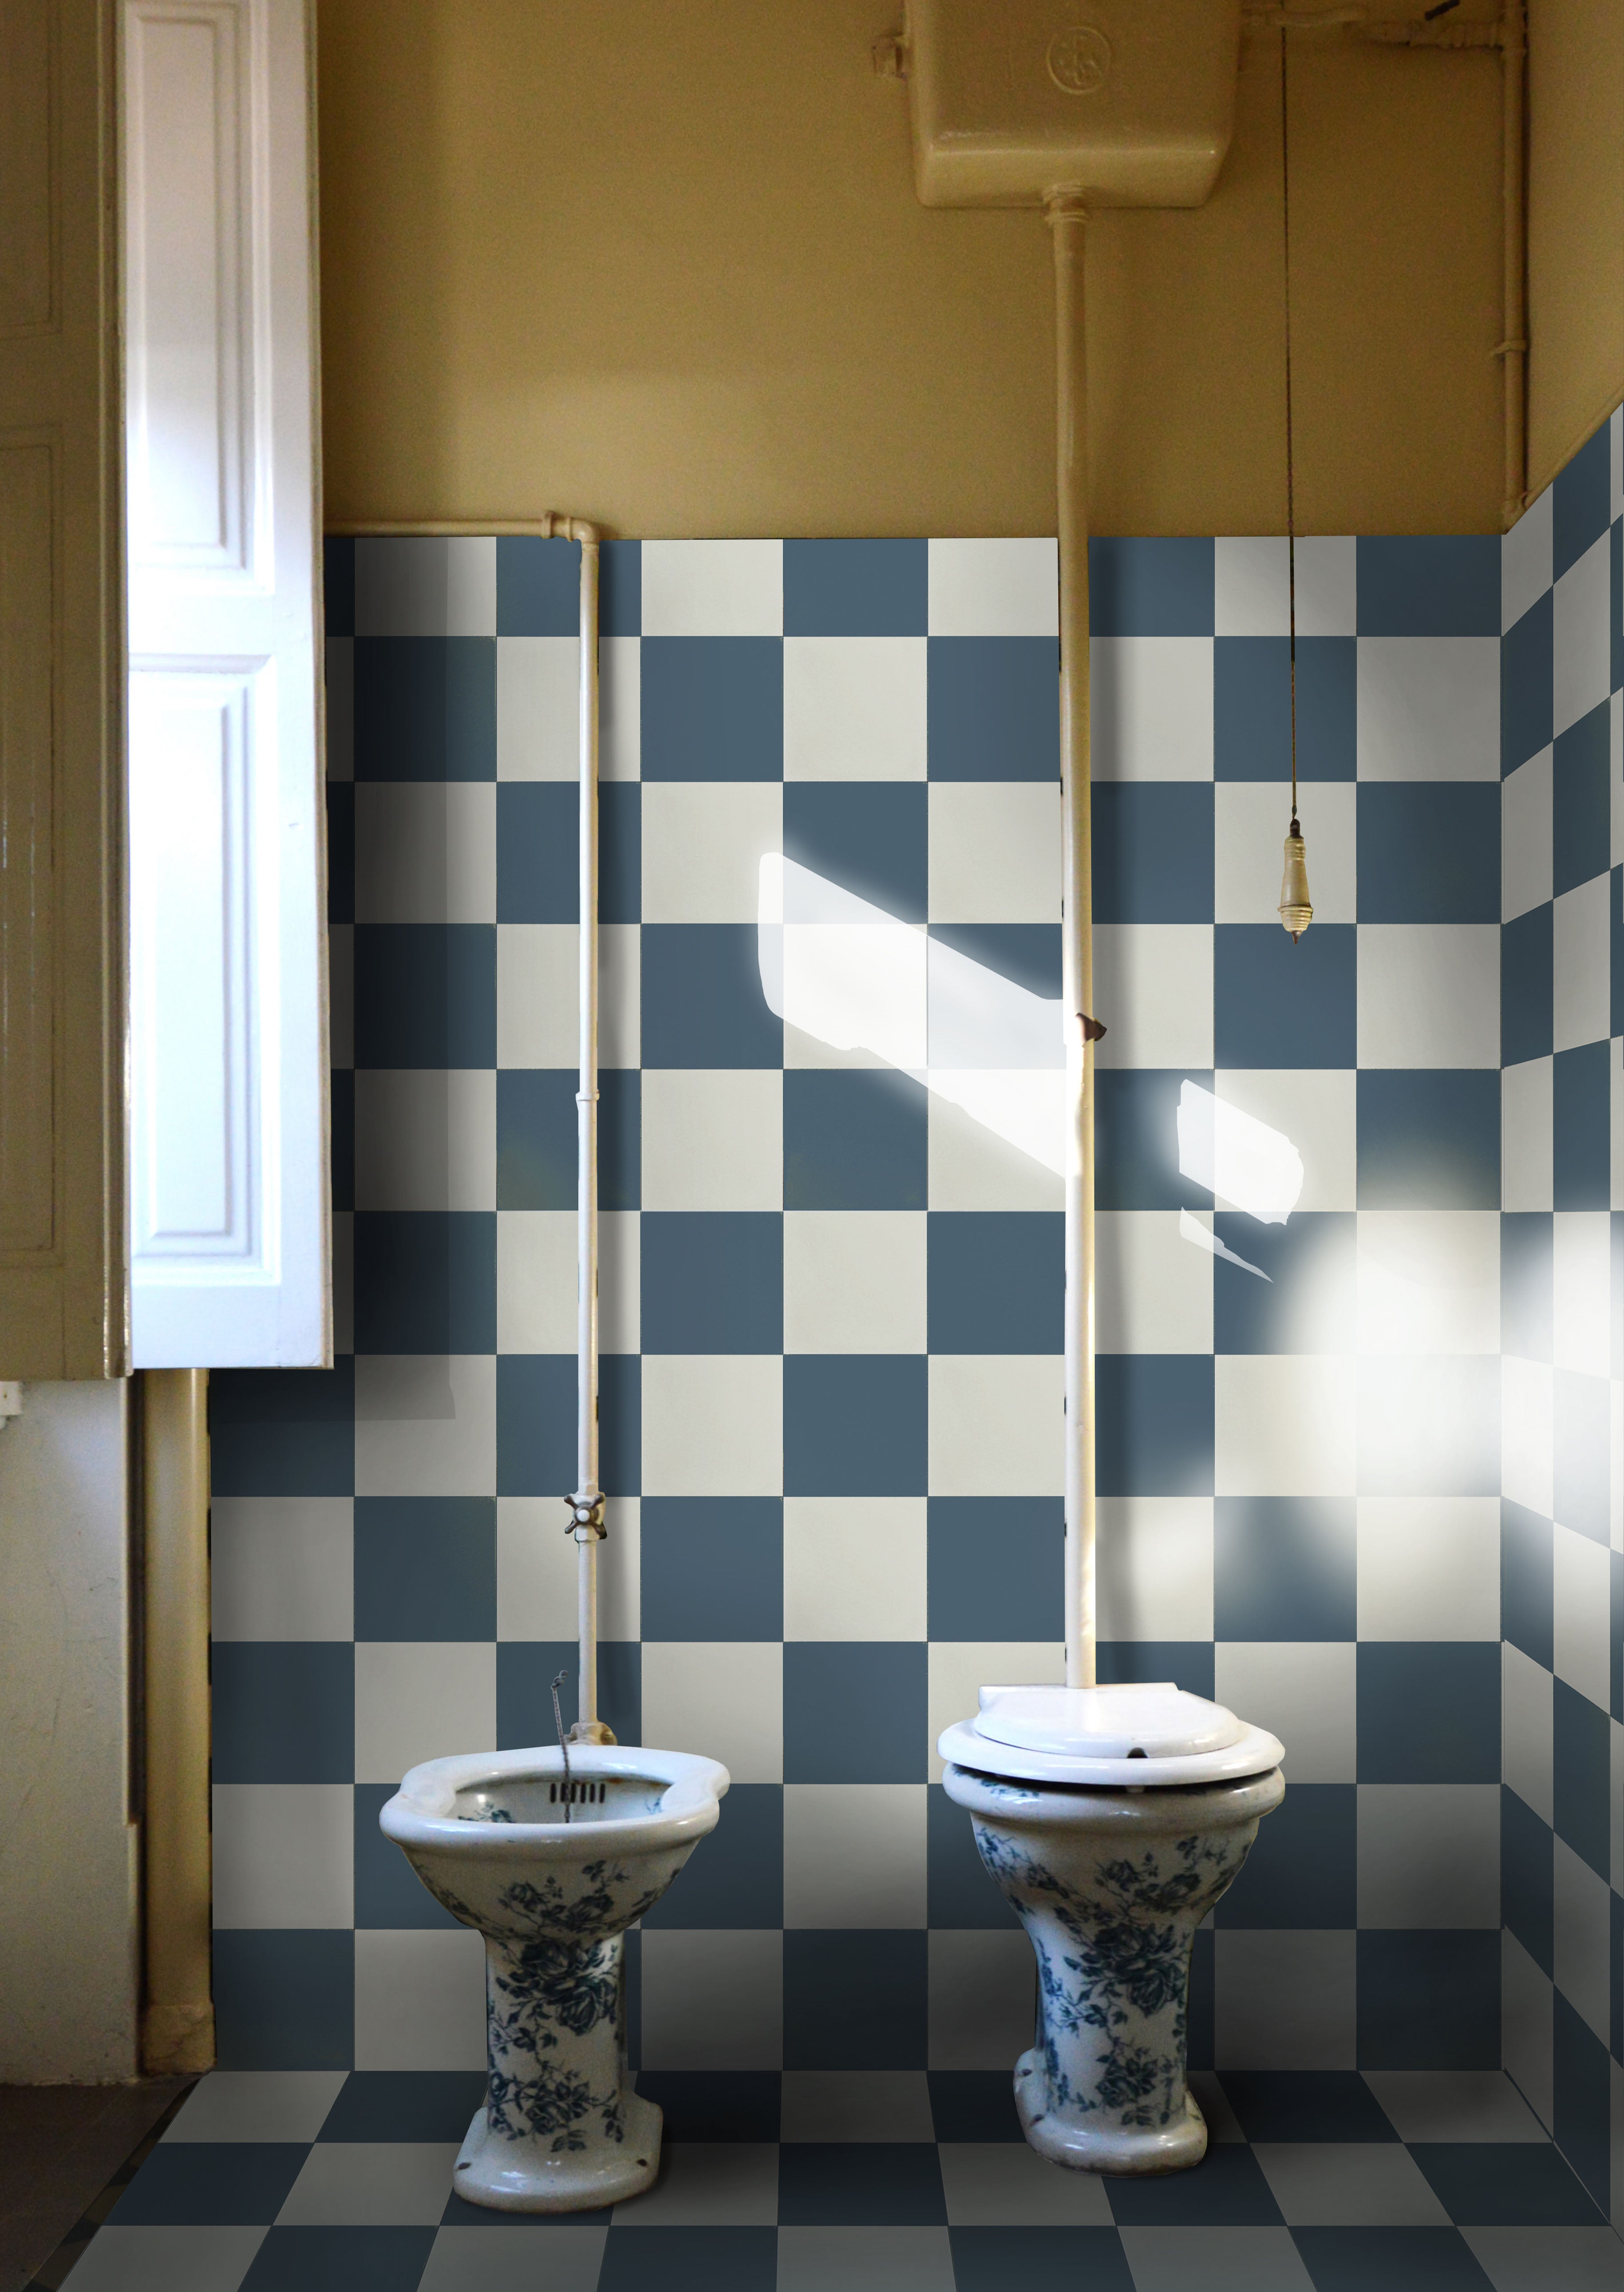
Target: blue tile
872	838
854	2000
1429	2001
712	1568
425	1567
404	2104
1429	1712
1227	2190
854	1424
538	586
1039	2260
1581	798
526	1670
338	584
1430	1138
538	852
208	2185
283	1711
712	1281
341	852
1579	499
1275	1004
733	1878
1026	953
536	1138
1301	1873
1187	1663
702	999
425	995
1580	1127
689	2260
1146	588
1580	1788
1527	685
1305	2104
1526	1293
853	1140
1526	976
854	1712
1615	1605
457	2214
1526	1581
283	1432
1135	1140
974	2104
1615	932
993	710
1252	708
1429	585
388	1891
960	1892
1199	2043
425	1281
1581	1447
1305	1306
1397	2259
620	597
284	2000
996	1568
535	1424
1527	1901
1155	1413
716	2104
1458	1454
855	588
996	1281
860	2184
341	1154
337	2259
1429	852
1582	2087
1283	1568
712	708
1615	1972
1153	850
1615	605
425	708
1505	2185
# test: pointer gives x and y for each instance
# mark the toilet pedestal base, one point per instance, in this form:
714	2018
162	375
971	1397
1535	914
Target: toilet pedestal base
1104	2147
528	2175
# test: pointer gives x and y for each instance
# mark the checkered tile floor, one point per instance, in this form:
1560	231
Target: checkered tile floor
893	2182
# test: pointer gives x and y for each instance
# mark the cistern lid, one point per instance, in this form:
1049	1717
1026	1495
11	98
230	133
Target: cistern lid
1145	1735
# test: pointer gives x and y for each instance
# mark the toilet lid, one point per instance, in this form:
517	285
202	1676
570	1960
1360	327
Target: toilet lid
1138	1735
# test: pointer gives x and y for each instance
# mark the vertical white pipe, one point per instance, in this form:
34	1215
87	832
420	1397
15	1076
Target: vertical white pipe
587	1491
1068	221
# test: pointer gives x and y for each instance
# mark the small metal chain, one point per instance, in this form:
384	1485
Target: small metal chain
1285	224
557	1720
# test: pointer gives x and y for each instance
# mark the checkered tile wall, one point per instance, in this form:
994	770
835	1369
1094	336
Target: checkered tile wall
1562	1244
832	1294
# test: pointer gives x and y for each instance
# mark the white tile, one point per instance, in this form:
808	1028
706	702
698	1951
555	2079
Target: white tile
1220	2259
708	2185
339	690
1303	1691
1350	2185
713	1425
959	1669
1581	1942
1250	587
1427	1426
1152	988
1615	1065
1155	1568
712	2001
538	708
1250	820
1580	650
1525	1433
1453	2105
1615	458
1006	2184
1284	2001
978	1018
425	585
704	842
425	1424
1316	1108
996	1421
1581	1627
1579	964
1429	1854
1525	837
1526	560
1428	1281
857	2105
1582	1272
854	1568
994	851
371	2184
983	1989
1429	994
723	1700
1538	2259
425	1138
417	1699
864	2260
994	588
1155	1293
1615	1804
1428	1568
971	1167
283	1854
282	1568
1526	2030
535	1570
256	2105
419	1999
425	851
1526	1730
1526	1135
1327	586
854	708
854	1282
712	1139
535	1281
1429	708
1615	773
854	1854
1285	1425
1150	708
620	708
119	2259
537	1019
494	2260
713	588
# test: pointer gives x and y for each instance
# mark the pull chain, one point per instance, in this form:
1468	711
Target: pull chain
1296	909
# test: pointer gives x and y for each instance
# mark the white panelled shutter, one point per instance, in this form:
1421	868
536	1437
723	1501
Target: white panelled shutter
230	1212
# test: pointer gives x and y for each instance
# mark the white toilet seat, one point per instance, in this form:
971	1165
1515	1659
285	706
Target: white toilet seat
1133	1736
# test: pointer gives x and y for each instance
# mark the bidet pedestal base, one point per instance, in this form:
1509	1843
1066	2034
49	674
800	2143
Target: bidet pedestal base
1104	2147
530	2176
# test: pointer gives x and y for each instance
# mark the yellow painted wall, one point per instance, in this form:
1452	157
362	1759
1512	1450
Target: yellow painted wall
1575	225
659	261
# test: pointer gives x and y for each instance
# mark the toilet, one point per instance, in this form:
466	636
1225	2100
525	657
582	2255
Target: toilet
551	1865
1112	1819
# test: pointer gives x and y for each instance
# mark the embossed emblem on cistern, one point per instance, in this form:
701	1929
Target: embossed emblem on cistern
1079	59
